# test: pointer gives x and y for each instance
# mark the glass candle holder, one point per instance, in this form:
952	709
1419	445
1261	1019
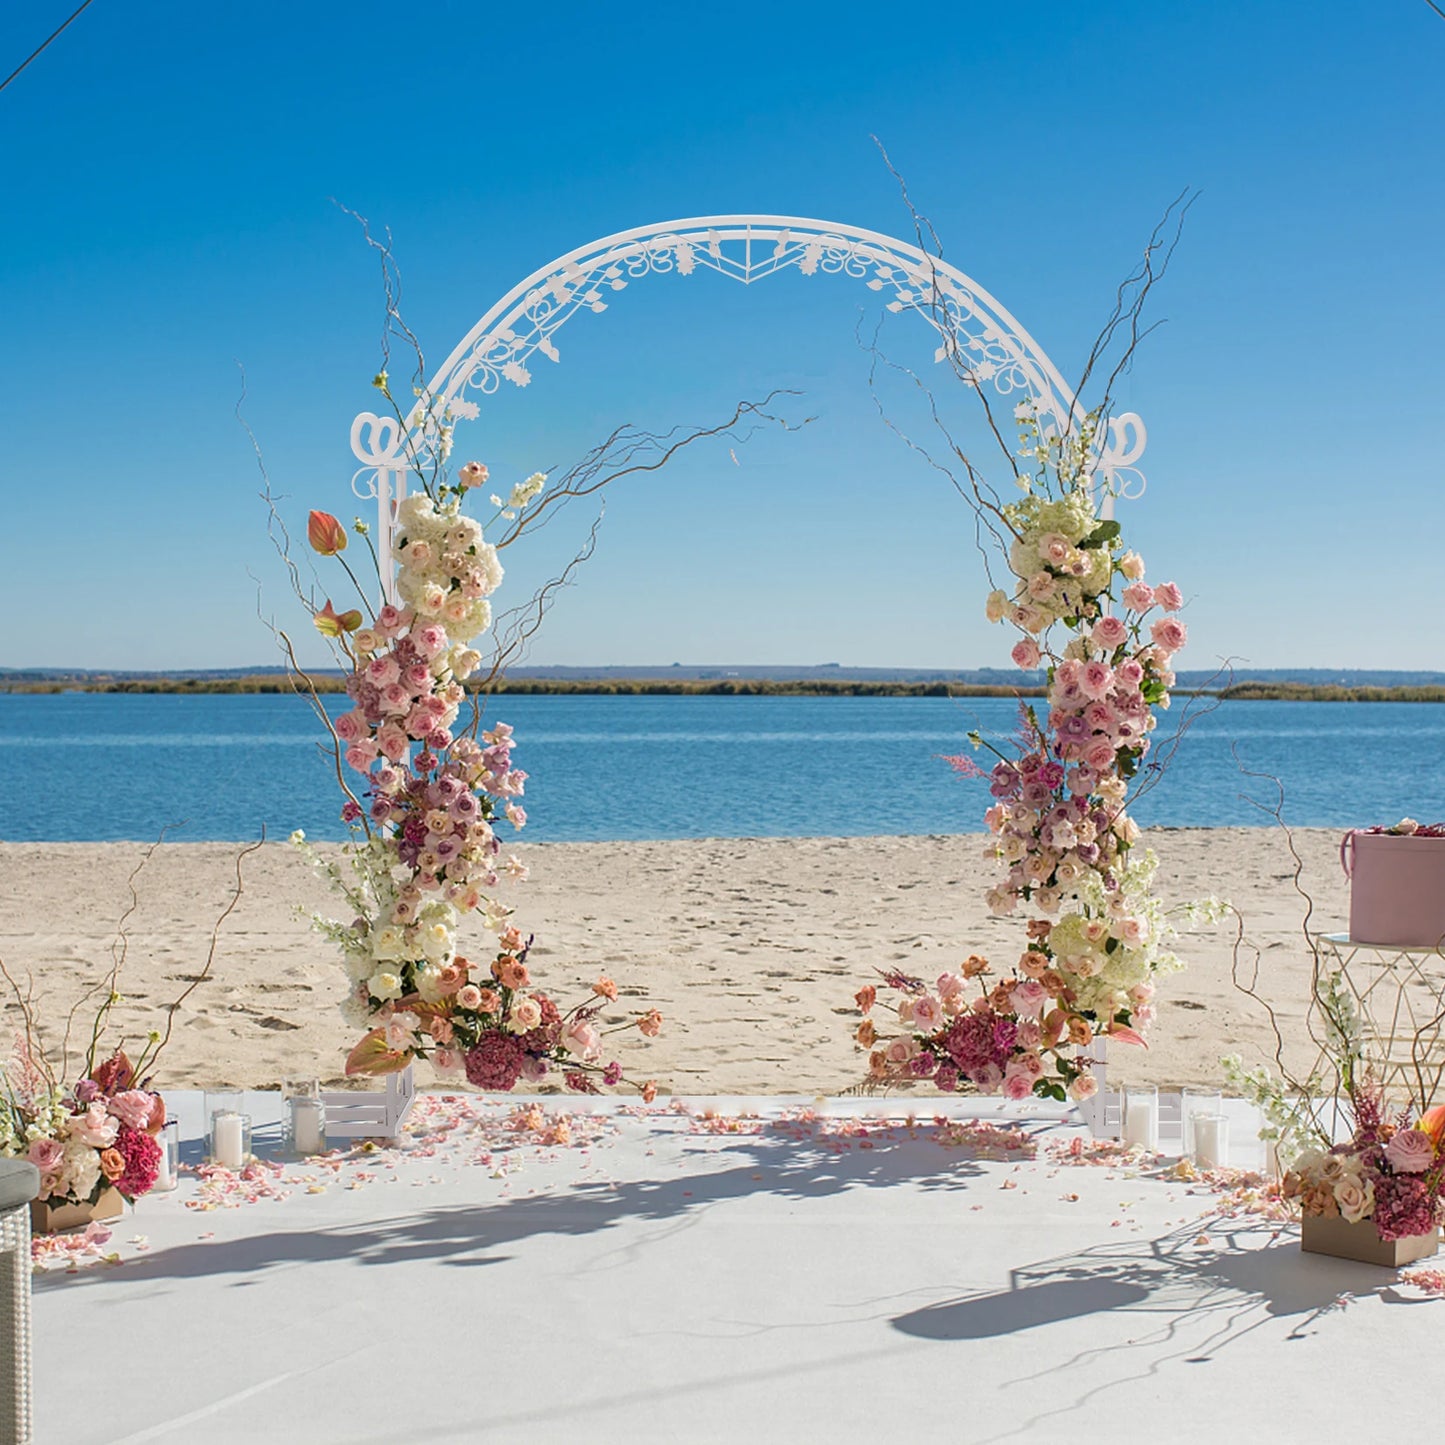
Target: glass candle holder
168	1169
306	1124
1191	1103
228	1132
1211	1140
1141	1117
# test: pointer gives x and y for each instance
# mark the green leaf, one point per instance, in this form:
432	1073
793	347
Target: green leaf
1104	532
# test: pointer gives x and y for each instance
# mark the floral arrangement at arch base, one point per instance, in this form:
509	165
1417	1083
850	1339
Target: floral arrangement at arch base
98	1134
425	798
1061	832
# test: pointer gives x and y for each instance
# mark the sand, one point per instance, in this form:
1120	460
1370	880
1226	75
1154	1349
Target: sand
752	949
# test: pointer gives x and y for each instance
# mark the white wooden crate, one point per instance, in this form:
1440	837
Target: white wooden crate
370	1113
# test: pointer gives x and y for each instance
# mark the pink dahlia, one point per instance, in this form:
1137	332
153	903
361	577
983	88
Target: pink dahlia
496	1061
142	1155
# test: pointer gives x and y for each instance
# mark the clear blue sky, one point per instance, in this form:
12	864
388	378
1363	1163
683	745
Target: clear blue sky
168	173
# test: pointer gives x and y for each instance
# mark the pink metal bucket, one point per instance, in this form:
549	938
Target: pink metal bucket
1397	889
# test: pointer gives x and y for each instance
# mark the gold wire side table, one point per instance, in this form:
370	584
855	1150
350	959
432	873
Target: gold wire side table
1398	995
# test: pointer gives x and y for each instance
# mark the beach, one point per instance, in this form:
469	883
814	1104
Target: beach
751	948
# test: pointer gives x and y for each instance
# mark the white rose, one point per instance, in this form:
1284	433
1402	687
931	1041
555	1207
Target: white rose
384	985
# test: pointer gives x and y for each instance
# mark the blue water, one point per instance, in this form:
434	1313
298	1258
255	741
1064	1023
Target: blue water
79	767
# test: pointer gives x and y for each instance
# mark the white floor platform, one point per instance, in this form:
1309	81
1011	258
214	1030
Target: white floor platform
797	1282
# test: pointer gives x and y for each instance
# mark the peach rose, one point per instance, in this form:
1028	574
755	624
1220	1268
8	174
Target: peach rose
112	1164
605	988
650	1023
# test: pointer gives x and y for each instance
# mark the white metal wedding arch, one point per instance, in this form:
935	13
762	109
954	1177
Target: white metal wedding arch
972	328
989	345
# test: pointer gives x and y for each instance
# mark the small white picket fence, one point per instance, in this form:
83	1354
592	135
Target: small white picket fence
370	1113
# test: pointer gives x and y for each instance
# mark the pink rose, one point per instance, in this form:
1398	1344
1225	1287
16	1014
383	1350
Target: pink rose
393	741
1129	674
446	1061
430	641
395	699
469	996
1028	998
927	1014
351	727
1169	597
133	1108
1139	597
1411	1151
1084	1087
583	1040
1017	1086
46	1155
1096	680
1169	634
362	755
382	671
94	1127
1099	755
1110	632
390	620
1026	654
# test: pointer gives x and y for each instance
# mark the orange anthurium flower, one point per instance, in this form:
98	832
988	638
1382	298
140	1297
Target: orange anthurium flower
330	623
1432	1122
372	1056
325	534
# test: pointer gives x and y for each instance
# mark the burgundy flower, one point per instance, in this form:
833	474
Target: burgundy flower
496	1061
142	1155
1403	1206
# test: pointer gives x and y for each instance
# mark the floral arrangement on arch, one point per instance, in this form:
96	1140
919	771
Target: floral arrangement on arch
425	799
1062	834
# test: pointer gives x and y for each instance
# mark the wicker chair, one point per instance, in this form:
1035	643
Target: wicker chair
19	1184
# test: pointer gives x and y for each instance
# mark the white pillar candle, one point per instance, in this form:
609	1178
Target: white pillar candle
1211	1140
308	1128
165	1177
227	1135
1141	1120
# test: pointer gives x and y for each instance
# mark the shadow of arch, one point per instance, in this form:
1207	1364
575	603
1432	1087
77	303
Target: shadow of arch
1010	1311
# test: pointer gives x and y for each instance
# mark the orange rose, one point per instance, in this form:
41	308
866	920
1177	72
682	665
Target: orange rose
867	1035
877	1064
866	997
112	1164
974	965
999	1000
511	972
1039	928
1079	1031
651	1023
649	1091
605	988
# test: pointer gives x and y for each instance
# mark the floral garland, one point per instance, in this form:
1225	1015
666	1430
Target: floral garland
425	848
1060	827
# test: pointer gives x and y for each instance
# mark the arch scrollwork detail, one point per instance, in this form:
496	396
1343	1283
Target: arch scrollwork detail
983	342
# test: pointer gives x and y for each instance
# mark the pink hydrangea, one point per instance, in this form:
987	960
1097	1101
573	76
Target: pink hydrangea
496	1061
1404	1206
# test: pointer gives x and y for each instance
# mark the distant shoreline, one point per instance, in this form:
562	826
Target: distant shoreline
271	683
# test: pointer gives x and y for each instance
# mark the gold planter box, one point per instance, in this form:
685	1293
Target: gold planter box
1321	1235
48	1218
